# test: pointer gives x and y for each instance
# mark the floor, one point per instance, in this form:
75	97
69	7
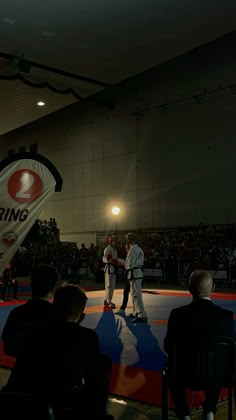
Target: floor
123	409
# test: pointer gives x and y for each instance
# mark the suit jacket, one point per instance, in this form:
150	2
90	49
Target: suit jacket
193	325
8	275
57	358
22	321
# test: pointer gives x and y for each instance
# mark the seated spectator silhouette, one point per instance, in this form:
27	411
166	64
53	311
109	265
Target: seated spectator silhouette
190	328
31	315
9	280
63	364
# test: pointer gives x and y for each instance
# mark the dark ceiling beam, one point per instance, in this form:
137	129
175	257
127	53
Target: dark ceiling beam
55	70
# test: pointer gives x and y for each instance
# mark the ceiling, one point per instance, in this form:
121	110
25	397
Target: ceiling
107	40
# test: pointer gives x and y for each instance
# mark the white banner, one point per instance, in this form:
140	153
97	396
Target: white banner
26	185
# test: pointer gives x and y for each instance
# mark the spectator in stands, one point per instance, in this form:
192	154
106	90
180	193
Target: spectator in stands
36	312
190	327
92	260
92	251
63	362
9	281
134	264
83	253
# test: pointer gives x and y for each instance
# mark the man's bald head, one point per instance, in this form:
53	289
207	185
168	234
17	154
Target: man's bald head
200	284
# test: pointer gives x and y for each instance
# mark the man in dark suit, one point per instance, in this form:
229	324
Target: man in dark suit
31	315
62	362
189	328
9	280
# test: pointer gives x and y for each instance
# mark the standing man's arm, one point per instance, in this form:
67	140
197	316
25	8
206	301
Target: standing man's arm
13	274
5	276
107	256
130	260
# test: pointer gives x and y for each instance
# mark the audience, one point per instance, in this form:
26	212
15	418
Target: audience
62	363
84	253
212	247
36	312
190	328
177	251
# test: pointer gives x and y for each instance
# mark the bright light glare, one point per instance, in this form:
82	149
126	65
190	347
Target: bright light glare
116	211
40	103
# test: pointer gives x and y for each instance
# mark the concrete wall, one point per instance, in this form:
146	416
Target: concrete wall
173	165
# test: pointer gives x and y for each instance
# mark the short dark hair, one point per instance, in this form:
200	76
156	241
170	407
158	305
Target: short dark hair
130	237
44	278
69	301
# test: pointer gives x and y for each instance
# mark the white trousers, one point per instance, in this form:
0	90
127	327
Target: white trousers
110	284
137	298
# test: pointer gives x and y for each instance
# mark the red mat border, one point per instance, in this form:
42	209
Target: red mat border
182	293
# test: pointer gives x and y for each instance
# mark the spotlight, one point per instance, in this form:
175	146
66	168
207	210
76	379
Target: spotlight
40	103
115	211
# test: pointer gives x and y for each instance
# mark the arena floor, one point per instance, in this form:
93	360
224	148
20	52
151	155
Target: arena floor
136	350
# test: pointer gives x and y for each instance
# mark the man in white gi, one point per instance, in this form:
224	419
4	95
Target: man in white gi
110	258
133	264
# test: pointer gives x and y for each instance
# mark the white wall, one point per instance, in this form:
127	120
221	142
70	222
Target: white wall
167	167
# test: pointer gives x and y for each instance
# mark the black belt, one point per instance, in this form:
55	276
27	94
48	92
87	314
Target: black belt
109	266
131	270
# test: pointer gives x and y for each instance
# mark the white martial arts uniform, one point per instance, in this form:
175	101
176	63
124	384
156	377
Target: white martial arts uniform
133	264
110	272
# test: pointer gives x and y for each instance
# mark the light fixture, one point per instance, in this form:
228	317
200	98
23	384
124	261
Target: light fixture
115	211
40	103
